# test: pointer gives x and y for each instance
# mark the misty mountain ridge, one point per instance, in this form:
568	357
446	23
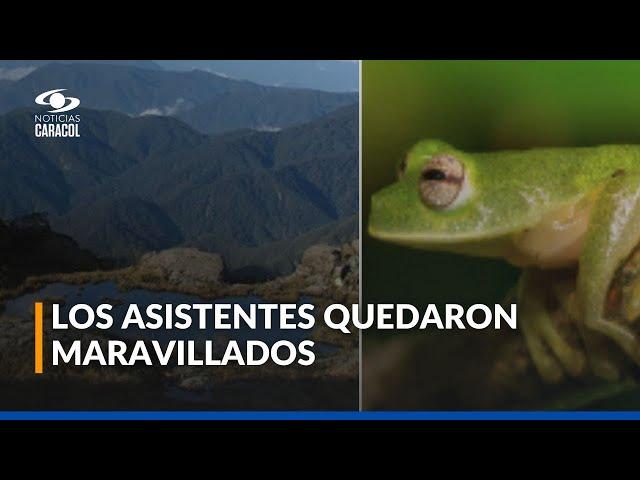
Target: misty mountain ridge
207	102
326	75
150	64
134	184
13	70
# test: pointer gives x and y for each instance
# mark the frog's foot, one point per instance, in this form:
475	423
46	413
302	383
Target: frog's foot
547	366
599	361
612	235
551	353
621	334
624	294
596	352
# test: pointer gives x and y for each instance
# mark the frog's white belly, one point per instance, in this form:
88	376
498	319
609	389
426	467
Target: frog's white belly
556	242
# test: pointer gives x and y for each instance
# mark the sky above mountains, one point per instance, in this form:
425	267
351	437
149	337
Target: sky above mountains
327	75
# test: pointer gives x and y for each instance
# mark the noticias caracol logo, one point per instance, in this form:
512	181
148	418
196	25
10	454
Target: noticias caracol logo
58	101
56	123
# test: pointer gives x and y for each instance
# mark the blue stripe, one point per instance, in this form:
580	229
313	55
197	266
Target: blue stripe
315	415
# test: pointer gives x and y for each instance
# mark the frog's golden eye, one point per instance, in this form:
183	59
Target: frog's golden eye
402	167
441	181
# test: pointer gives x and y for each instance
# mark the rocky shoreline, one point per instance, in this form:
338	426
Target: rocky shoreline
325	275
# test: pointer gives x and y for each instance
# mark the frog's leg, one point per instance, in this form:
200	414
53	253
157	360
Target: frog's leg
631	304
596	352
540	332
629	291
614	230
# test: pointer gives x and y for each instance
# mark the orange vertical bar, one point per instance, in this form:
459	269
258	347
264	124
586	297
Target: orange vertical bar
38	337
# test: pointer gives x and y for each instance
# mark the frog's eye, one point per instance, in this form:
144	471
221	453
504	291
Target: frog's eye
402	167
441	181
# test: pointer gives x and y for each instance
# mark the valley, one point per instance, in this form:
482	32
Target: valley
128	186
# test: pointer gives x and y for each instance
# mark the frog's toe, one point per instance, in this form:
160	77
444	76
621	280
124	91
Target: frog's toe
604	369
575	363
620	334
547	366
598	355
573	360
549	369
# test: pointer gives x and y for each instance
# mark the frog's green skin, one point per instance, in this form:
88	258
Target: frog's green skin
540	209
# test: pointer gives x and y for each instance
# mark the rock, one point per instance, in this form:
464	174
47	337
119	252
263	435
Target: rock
194	383
343	365
329	271
350	249
313	290
319	260
186	267
315	280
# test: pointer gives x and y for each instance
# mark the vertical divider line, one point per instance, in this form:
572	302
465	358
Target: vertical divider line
360	166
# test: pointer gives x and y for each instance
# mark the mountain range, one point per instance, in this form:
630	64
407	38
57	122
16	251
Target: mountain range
327	75
12	70
205	101
131	184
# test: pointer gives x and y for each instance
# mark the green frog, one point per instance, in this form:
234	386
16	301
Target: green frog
548	211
